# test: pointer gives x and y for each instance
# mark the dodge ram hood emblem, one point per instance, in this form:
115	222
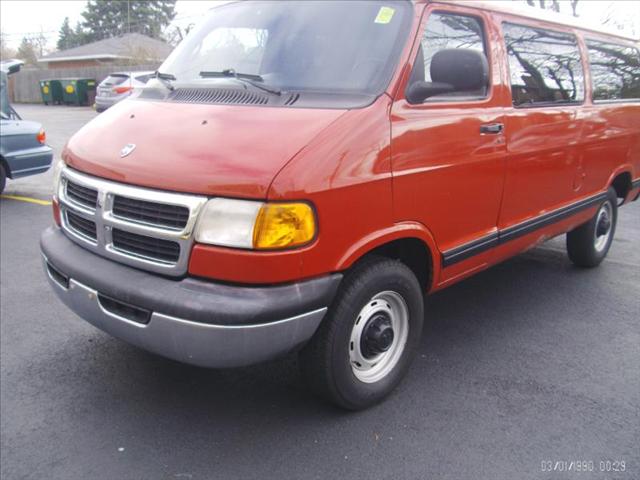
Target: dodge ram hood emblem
127	150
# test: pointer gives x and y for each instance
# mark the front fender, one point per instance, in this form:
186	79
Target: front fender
399	231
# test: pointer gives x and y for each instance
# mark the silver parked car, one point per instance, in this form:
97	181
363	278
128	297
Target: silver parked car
118	86
23	148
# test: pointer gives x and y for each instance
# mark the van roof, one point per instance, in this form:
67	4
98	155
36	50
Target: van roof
526	11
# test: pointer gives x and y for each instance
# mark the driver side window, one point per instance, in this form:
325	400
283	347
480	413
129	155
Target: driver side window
448	31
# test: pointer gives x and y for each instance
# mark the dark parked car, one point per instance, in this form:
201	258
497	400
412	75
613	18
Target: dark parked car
23	148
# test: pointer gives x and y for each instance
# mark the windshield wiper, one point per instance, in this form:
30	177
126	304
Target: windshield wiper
242	77
165	79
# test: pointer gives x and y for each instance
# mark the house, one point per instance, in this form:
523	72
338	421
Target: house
131	48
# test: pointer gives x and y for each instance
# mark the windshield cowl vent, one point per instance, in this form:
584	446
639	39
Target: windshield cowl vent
293	98
218	96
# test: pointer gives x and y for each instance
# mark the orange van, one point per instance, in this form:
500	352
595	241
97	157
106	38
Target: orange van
299	174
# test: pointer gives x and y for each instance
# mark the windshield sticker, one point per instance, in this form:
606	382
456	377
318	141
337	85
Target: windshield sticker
385	15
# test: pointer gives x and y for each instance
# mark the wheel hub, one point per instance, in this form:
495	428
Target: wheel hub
377	336
603	225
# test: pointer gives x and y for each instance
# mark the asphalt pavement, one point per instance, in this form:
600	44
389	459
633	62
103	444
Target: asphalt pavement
524	367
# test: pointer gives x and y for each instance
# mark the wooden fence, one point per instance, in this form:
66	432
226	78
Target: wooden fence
24	87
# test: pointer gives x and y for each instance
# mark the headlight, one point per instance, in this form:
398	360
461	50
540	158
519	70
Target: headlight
228	223
255	225
57	172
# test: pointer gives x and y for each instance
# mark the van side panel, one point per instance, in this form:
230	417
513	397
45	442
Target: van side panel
610	142
544	151
559	161
447	175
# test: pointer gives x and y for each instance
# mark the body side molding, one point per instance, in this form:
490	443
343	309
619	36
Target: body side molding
458	254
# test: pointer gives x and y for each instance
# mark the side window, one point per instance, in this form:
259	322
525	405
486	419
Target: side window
615	71
446	31
544	65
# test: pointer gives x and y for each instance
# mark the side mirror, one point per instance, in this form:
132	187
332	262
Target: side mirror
452	70
418	92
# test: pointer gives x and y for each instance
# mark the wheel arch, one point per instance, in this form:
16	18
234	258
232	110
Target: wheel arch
5	165
621	180
411	243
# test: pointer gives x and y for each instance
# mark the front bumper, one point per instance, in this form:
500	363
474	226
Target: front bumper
192	321
103	103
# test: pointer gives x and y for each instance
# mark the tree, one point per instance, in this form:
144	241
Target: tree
80	35
39	43
66	36
174	36
5	52
554	5
574	7
106	19
27	52
614	18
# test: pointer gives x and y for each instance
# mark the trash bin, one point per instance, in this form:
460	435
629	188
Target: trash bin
75	91
51	91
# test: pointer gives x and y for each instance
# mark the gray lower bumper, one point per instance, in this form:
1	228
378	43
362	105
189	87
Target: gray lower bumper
196	343
103	103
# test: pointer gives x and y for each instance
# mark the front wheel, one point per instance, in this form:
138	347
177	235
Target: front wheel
365	344
588	244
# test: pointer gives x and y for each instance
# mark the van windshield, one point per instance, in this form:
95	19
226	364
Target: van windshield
349	47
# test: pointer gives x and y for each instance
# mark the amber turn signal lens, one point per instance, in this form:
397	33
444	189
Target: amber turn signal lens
284	225
41	137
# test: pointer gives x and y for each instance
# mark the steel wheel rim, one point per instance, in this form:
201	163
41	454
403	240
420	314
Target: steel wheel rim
375	368
604	225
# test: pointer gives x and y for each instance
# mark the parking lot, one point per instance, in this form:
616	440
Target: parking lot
532	361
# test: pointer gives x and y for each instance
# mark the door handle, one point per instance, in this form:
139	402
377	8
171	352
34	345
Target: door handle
492	129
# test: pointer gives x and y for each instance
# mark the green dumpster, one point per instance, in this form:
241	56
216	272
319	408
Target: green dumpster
76	91
51	91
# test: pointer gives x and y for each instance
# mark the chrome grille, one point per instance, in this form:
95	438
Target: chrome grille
82	195
81	226
151	213
146	247
144	228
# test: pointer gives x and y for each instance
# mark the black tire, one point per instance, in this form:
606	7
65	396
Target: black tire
3	178
587	245
325	361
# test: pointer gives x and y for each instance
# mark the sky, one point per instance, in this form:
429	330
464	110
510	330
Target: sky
28	17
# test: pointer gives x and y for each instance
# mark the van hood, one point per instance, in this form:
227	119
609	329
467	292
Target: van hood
233	151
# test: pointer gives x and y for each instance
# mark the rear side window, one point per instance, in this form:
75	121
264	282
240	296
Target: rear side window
144	78
444	31
544	66
615	71
115	79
